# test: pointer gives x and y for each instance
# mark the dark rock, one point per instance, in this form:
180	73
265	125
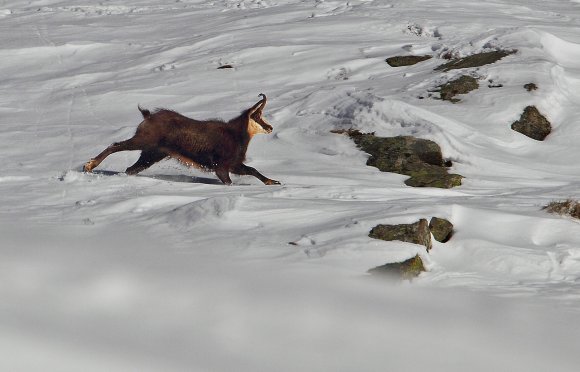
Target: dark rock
419	158
533	124
441	229
400	61
568	207
475	60
223	67
530	87
417	233
407	270
462	85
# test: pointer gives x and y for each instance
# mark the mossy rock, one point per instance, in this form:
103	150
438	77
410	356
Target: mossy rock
441	229
406	270
433	177
462	85
533	124
475	60
419	158
416	233
400	61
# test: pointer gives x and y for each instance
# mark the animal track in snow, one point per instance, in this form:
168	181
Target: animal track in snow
422	31
338	74
247	4
164	67
95	10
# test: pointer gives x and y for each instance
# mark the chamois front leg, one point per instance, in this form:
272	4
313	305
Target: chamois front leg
224	175
243	169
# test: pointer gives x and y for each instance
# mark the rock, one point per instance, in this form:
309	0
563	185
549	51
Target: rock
567	207
441	229
530	87
400	61
475	60
417	233
407	270
462	85
437	179
223	67
419	158
533	124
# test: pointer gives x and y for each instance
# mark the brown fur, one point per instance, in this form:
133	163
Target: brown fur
211	144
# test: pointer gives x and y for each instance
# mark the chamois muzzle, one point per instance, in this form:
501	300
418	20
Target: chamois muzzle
256	114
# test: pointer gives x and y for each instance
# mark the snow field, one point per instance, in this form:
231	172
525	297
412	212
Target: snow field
172	271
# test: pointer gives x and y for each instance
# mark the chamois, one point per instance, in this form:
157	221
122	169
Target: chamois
208	145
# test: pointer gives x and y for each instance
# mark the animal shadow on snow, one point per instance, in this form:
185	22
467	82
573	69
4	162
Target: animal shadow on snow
166	177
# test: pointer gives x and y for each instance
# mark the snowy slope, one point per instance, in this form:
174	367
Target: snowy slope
172	271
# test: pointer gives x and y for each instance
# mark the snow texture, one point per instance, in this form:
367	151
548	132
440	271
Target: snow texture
172	271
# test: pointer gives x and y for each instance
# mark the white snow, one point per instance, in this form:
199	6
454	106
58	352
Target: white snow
173	271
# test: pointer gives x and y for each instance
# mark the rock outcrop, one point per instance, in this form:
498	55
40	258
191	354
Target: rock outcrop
441	229
419	158
400	61
405	270
462	85
475	60
416	233
533	124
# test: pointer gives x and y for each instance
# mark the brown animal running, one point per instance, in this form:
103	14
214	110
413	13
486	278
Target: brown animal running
210	145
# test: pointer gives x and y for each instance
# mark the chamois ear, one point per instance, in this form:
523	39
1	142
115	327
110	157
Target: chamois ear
146	113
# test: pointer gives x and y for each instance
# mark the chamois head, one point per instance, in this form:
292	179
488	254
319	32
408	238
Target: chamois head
256	122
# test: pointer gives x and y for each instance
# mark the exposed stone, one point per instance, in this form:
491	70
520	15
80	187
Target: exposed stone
462	85
406	270
441	229
568	207
416	233
475	60
530	87
400	61
223	67
533	124
419	158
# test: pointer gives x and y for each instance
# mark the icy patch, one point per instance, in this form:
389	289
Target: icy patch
5	12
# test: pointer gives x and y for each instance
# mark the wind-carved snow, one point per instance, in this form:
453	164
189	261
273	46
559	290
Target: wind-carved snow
173	271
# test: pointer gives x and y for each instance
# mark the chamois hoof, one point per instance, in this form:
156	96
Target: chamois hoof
272	182
89	165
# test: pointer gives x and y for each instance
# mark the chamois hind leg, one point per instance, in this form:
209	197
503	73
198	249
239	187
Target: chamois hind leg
243	169
130	144
147	159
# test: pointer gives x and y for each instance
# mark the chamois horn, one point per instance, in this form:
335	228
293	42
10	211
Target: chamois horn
258	107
